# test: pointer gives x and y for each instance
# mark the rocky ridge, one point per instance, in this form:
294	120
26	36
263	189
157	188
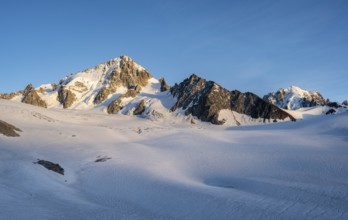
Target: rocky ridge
123	86
205	99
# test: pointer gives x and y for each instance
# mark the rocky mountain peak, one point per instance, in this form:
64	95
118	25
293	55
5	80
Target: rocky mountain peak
294	98
30	96
206	99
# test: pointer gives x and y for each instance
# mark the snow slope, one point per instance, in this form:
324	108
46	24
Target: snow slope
171	169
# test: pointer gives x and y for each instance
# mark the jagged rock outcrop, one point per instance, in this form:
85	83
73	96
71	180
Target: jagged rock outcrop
31	97
164	85
66	97
345	103
8	129
127	74
140	109
205	99
252	105
333	105
10	96
117	104
294	98
103	94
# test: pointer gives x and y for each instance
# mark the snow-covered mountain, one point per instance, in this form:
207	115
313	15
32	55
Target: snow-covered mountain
81	149
123	86
124	167
293	98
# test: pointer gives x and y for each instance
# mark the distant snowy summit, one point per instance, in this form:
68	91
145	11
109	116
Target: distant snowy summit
121	86
294	98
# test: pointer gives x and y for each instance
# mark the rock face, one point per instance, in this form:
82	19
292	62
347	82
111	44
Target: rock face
30	96
103	94
66	97
10	95
127	73
117	104
164	85
294	98
140	109
8	129
205	99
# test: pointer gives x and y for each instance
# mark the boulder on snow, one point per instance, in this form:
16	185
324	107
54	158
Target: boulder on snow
330	111
51	166
8	129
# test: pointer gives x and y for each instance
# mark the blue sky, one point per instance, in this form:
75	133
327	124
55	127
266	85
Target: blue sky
256	46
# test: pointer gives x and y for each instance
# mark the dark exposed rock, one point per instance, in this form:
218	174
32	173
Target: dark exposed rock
164	85
330	111
345	103
103	94
333	105
66	97
8	129
140	109
31	97
102	159
252	105
116	105
51	166
204	99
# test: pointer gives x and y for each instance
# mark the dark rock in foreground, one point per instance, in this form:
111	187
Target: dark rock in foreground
51	166
8	129
205	99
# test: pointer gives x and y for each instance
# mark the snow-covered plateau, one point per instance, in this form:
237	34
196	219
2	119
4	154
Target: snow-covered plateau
128	167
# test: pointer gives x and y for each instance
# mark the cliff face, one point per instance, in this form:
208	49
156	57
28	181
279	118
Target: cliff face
205	99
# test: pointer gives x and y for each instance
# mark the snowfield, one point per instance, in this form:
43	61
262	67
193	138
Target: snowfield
169	168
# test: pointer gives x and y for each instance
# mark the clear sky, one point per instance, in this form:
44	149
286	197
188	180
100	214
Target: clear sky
256	46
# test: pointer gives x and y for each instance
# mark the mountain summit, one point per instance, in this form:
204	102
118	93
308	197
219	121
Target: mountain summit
121	85
293	98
